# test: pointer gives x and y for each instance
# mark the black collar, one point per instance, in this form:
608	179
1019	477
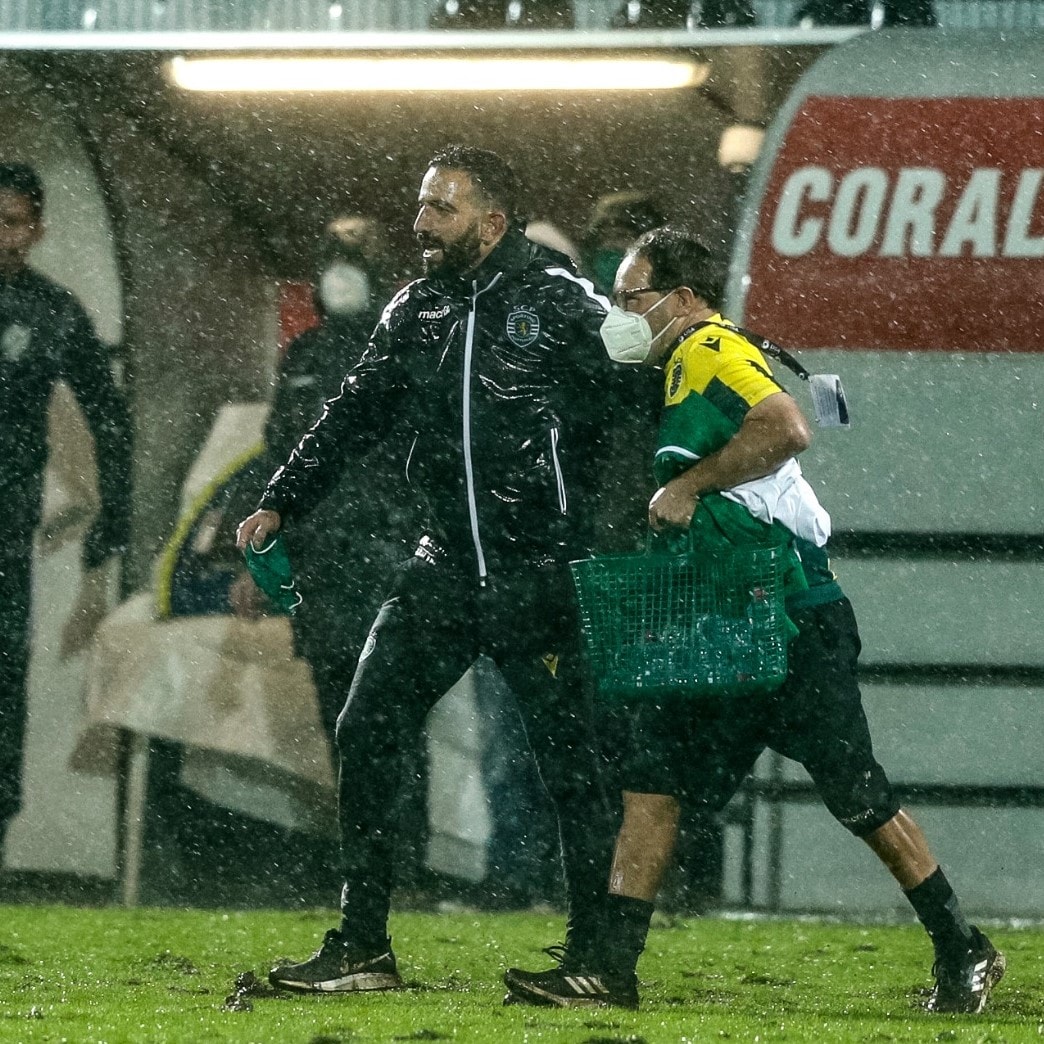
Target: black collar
511	253
688	332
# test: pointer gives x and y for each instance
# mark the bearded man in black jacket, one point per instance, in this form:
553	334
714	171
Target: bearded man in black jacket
491	371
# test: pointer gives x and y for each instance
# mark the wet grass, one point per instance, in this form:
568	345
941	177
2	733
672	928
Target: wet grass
158	975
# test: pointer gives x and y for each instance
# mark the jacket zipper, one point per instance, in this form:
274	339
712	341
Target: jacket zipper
469	470
409	458
563	503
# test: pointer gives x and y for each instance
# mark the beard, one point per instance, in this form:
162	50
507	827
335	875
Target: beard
454	258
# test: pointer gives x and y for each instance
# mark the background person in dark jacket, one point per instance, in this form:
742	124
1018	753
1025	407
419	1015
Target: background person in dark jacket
346	547
344	552
494	364
342	557
45	337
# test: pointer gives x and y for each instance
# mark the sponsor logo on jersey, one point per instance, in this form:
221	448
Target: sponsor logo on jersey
434	313
550	661
677	371
14	342
523	327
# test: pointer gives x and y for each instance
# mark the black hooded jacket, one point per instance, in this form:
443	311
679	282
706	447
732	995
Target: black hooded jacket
498	388
45	337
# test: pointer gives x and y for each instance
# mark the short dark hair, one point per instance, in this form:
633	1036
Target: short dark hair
679	258
491	174
21	178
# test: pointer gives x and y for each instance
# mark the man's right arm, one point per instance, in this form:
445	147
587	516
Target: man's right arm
350	422
772	432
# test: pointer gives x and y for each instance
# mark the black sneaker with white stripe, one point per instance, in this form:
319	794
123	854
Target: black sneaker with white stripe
570	985
963	984
338	967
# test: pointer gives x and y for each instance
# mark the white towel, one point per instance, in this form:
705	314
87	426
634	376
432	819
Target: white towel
785	497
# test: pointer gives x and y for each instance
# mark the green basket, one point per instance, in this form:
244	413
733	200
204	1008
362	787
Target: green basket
666	623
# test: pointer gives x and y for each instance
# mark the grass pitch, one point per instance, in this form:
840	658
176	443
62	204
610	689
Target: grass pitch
87	976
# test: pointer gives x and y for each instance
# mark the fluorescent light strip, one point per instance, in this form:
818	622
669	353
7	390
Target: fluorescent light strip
434	74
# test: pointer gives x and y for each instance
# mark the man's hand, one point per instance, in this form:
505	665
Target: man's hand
672	507
257	528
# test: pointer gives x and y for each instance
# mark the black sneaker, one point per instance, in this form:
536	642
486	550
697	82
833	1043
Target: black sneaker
963	985
337	967
570	985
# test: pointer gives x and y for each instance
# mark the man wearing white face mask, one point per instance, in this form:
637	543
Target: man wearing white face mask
725	424
780	494
344	289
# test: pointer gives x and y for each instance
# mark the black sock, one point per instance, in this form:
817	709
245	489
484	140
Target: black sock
364	919
627	926
372	943
937	909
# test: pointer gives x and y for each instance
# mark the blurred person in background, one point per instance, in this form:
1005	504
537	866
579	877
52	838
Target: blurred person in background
616	220
345	551
341	555
334	575
46	336
348	546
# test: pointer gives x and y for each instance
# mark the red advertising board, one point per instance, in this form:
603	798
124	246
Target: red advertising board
905	224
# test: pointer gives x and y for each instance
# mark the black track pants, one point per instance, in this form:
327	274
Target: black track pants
427	633
15	588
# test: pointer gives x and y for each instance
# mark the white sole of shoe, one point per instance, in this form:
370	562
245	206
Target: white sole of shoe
367	983
566	1002
528	993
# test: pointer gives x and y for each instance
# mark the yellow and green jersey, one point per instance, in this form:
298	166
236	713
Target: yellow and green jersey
712	379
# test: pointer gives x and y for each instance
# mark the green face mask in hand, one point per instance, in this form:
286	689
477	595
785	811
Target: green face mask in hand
270	567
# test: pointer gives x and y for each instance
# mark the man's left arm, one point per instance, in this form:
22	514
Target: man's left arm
86	368
771	433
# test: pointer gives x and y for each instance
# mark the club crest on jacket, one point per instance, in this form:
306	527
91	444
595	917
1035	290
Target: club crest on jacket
523	327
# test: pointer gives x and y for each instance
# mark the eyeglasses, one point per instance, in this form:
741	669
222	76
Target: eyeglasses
625	297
